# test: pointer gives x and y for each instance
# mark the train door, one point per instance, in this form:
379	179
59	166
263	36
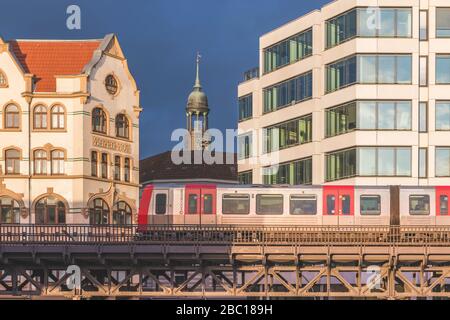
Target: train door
442	205
200	204
338	205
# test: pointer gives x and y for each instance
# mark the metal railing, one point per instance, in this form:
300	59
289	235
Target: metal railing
224	235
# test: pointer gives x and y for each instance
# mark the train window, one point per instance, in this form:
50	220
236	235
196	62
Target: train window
419	205
270	204
331	204
236	204
192	204
345	204
303	205
207	204
443	205
161	203
370	205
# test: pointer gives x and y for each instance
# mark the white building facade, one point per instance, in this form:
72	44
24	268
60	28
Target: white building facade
356	93
69	133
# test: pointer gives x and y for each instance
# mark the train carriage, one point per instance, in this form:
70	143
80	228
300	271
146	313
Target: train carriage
294	206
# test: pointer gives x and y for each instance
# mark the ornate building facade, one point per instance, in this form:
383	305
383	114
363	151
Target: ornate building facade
69	133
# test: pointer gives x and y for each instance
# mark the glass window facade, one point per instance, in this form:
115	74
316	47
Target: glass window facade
369	69
369	22
443	69
287	93
443	22
368	115
369	161
288	51
442	164
245	146
245	107
288	134
423	117
293	173
442	115
245	178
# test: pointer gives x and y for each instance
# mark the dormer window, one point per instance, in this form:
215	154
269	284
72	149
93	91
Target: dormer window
111	85
3	80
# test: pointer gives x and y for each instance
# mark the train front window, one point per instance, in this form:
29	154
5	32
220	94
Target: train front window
370	205
192	204
161	201
443	207
207	204
269	204
419	205
303	205
236	204
331	205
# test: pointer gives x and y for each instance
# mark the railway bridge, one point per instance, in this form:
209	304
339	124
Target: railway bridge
204	262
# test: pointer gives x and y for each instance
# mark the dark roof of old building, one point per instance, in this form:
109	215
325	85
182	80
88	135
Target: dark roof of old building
162	168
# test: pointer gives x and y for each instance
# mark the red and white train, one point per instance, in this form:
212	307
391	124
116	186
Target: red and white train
294	206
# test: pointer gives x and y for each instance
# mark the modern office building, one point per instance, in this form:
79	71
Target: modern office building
351	94
69	133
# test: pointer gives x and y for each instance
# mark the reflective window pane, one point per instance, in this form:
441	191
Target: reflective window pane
303	205
367	115
386	69
367	69
442	22
404	23
404	116
386	116
367	161
419	205
370	205
386	162
442	115
442	69
442	162
236	204
269	204
387	23
403	162
404	69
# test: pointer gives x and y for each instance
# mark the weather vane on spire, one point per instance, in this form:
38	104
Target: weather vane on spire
197	79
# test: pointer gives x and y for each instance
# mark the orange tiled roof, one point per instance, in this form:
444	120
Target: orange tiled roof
47	59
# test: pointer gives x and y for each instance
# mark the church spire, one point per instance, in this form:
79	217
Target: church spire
197	78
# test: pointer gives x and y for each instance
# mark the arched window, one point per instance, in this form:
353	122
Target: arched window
111	85
122	214
12	161
40	117
58	117
50	210
99	120
40	162
3	80
9	210
99	212
58	160
12	117
122	126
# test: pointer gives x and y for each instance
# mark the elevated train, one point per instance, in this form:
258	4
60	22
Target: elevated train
294	206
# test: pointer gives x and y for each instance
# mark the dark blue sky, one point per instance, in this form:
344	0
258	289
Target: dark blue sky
160	39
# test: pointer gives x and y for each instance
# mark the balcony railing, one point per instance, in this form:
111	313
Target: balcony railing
251	74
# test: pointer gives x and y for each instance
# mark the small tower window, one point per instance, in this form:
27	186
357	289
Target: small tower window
111	85
3	81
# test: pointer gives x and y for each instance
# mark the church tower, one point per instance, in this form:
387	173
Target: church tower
197	112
